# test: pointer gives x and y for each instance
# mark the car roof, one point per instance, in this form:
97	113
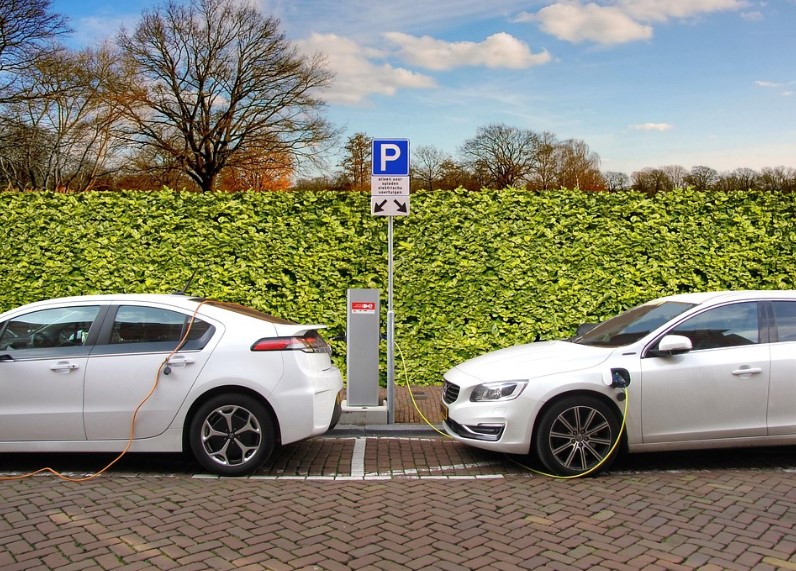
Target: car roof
177	300
699	298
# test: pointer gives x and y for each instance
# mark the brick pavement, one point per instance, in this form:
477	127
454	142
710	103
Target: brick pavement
661	520
427	399
394	502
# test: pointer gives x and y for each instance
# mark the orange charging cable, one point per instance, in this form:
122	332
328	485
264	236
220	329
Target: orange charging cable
48	470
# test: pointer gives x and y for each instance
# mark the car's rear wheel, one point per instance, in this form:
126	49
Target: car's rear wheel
576	436
232	435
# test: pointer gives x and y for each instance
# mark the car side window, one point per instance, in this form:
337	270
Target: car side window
726	326
48	328
785	318
147	325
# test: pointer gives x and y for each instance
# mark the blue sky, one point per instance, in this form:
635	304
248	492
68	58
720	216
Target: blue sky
645	83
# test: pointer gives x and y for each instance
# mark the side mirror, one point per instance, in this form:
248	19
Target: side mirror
673	345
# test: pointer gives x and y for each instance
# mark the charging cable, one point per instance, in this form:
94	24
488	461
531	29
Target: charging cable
618	382
412	396
164	368
596	466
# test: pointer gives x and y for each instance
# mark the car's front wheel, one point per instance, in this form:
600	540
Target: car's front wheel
576	436
232	435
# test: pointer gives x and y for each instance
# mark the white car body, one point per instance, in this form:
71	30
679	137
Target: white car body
81	398
741	394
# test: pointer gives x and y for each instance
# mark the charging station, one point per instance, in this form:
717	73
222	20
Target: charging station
363	334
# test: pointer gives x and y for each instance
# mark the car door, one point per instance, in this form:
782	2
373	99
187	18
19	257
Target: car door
43	356
719	389
782	397
124	366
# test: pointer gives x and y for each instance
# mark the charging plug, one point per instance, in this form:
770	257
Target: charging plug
620	378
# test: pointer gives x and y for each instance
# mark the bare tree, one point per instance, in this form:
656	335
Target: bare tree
27	31
356	163
509	155
616	181
67	102
428	165
24	152
777	179
455	175
578	167
651	181
217	78
316	183
676	175
702	178
746	178
545	173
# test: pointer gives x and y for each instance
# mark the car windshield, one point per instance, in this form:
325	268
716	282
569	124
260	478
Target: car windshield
632	325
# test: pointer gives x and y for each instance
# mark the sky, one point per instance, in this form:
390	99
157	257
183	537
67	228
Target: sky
644	83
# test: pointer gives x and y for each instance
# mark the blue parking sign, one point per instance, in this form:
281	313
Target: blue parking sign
390	157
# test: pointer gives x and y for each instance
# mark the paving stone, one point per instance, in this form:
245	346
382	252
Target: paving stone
421	503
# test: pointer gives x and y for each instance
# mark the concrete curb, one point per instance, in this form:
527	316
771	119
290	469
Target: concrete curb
383	430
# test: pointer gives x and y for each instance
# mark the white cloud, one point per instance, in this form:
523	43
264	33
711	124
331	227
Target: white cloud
785	88
369	19
356	76
574	22
664	10
497	51
652	127
618	21
752	16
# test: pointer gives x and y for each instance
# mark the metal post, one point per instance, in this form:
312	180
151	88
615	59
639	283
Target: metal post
390	329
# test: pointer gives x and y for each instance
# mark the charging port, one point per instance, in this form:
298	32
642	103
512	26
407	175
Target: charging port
620	378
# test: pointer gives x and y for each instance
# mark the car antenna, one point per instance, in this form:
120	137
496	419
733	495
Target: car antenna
184	289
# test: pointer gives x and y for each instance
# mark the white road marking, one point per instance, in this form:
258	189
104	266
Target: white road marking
358	458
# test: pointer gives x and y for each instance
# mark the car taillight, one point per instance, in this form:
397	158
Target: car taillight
309	343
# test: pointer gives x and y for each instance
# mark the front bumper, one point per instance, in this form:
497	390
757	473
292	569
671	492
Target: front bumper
487	432
499	426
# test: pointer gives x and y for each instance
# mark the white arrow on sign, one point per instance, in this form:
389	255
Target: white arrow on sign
389	205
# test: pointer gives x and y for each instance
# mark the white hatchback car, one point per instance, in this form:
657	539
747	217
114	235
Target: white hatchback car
228	383
702	370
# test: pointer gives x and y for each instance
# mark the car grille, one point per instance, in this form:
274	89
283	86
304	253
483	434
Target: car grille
450	392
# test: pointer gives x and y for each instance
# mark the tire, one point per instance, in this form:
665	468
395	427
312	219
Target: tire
575	436
232	435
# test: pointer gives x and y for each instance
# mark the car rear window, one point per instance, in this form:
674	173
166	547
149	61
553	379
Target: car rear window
250	312
785	314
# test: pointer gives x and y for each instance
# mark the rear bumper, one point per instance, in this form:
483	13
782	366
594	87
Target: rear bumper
309	408
338	411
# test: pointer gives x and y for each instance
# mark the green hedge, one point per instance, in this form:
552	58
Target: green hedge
473	271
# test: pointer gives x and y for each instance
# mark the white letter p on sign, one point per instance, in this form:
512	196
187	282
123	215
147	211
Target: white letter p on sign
389	152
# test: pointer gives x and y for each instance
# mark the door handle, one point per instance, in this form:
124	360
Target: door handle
747	371
180	361
64	367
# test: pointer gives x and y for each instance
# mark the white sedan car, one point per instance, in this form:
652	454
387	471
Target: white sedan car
227	382
702	370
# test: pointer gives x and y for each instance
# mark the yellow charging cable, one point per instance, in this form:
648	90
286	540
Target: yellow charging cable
593	468
523	466
412	396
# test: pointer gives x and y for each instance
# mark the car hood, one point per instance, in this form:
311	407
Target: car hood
533	360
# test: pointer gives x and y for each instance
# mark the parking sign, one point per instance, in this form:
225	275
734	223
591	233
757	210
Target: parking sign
390	157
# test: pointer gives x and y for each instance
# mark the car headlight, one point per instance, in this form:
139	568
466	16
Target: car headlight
498	391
